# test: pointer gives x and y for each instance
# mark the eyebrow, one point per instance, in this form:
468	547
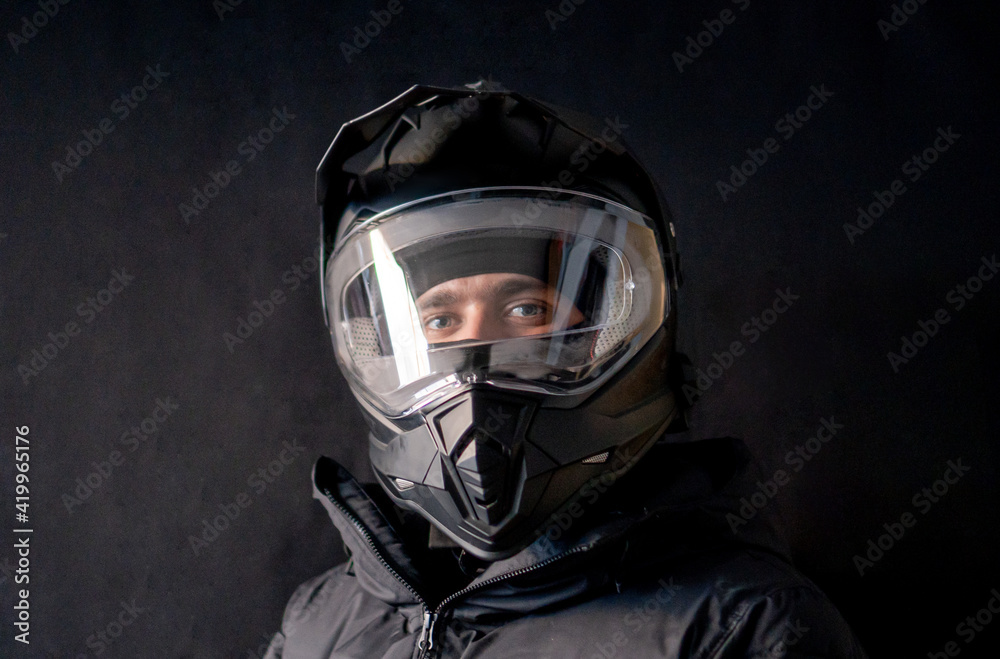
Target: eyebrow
446	297
439	299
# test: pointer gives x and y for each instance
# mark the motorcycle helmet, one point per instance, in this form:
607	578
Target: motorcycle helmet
499	279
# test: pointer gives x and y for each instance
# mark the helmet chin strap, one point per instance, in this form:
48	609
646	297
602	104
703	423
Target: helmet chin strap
470	566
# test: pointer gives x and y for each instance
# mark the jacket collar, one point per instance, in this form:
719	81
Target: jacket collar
682	490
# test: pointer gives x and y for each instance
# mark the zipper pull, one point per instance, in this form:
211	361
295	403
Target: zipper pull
426	642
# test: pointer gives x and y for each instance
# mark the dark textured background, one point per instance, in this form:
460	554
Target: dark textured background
163	336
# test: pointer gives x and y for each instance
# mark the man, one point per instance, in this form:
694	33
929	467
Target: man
501	292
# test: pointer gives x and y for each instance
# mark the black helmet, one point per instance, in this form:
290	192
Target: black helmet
501	293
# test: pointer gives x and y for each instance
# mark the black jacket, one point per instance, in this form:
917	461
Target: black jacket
648	568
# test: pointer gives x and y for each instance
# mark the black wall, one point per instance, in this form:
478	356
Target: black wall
160	340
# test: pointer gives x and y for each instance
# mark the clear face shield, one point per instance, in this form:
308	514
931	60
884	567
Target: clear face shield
528	289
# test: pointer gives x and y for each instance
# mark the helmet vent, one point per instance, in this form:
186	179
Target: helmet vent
597	459
482	466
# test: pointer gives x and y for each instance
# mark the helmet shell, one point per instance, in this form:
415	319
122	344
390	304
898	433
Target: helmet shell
491	467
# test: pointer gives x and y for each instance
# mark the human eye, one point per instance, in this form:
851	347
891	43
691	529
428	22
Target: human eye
438	323
529	311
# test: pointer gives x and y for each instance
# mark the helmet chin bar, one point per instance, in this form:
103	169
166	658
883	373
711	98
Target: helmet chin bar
477	475
490	467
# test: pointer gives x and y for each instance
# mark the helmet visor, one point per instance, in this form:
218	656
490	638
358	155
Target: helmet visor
530	289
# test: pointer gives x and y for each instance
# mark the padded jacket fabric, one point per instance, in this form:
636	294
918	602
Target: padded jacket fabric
650	567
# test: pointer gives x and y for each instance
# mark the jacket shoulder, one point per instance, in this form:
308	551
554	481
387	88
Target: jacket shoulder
727	604
776	611
308	620
792	621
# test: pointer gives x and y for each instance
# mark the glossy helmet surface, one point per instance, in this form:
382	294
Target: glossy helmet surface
488	437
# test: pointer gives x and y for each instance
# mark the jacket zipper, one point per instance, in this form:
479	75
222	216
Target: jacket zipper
426	640
431	617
